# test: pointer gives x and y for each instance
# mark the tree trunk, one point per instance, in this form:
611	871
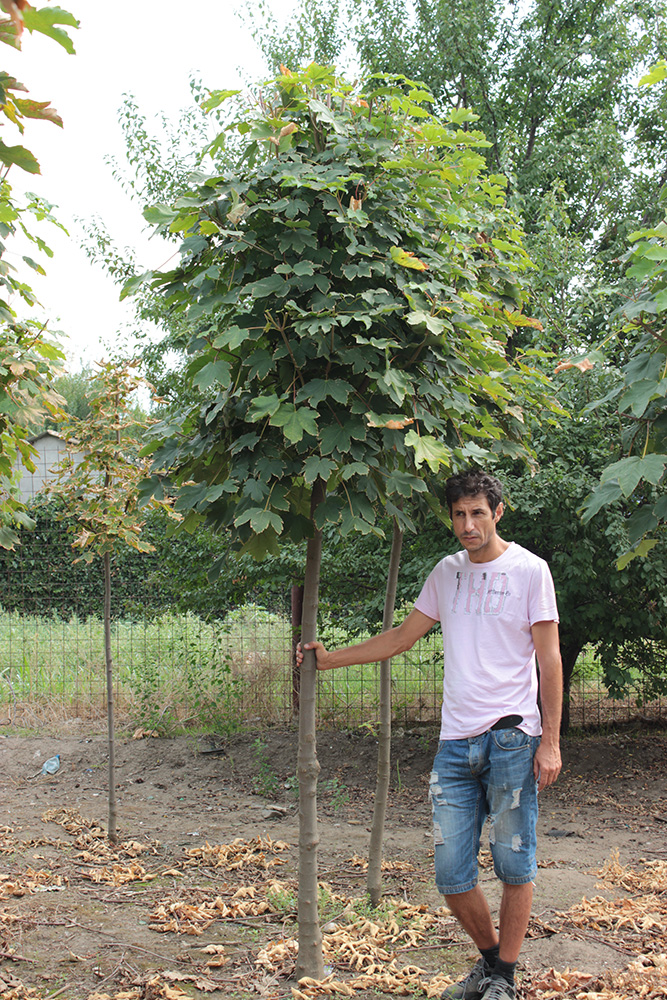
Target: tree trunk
113	837
297	616
309	961
374	879
569	656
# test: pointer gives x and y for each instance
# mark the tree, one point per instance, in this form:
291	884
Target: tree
613	612
639	477
101	490
554	85
28	359
351	287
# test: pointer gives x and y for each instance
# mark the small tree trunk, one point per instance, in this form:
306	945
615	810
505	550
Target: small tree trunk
297	616
113	837
309	961
569	656
374	879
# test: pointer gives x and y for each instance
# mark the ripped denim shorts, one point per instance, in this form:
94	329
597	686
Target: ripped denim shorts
487	775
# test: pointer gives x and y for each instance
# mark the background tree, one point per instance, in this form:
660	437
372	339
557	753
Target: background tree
28	359
100	489
612	612
554	85
638	478
351	287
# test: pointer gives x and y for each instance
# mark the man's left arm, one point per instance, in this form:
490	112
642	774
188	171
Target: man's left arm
547	648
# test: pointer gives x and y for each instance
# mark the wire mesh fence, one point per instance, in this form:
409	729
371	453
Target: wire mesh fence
183	671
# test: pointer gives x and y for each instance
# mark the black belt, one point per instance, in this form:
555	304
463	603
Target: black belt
508	722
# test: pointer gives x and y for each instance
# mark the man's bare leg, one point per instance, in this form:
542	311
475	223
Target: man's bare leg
515	909
472	912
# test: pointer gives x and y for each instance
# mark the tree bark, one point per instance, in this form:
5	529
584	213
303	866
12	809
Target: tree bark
569	656
374	878
309	961
113	836
297	617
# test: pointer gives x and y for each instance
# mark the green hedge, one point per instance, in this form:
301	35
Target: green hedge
41	575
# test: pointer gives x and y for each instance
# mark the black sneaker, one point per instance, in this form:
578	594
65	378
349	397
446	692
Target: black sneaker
496	988
469	988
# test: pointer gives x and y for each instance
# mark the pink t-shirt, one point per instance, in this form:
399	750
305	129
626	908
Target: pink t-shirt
486	611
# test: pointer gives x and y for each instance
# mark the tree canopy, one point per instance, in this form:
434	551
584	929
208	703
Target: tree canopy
352	288
28	359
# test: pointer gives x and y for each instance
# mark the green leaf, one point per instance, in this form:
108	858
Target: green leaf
656	74
18	156
295	421
263	406
214	371
354	469
630	471
272	285
8	537
317	389
599	498
216	98
316	467
34	265
133	284
160	215
639	395
232	337
641	550
398	384
329	511
260	520
45	21
655	253
428	450
641	522
262	545
433	323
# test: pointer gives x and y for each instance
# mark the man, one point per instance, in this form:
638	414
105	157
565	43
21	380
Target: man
497	606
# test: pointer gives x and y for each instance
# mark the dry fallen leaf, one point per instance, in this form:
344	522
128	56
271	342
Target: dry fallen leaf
583	366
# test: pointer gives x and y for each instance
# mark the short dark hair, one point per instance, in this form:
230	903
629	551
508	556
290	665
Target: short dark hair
471	484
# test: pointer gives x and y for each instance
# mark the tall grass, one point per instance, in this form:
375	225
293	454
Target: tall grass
169	670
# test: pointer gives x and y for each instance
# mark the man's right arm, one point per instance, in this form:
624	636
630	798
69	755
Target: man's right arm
380	647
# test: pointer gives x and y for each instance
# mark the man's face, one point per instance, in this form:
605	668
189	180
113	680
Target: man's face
475	527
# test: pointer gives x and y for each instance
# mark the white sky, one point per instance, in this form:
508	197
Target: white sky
149	49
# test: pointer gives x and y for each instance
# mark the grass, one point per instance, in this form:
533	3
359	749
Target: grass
172	670
176	672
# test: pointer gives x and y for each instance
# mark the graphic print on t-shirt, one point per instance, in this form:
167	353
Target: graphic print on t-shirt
480	593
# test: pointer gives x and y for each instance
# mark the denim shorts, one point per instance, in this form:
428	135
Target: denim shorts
487	775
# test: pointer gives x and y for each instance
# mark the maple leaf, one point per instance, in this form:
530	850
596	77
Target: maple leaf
406	258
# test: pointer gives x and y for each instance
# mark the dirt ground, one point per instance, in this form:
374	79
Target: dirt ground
186	906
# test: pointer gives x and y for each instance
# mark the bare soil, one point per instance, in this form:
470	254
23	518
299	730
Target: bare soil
80	919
